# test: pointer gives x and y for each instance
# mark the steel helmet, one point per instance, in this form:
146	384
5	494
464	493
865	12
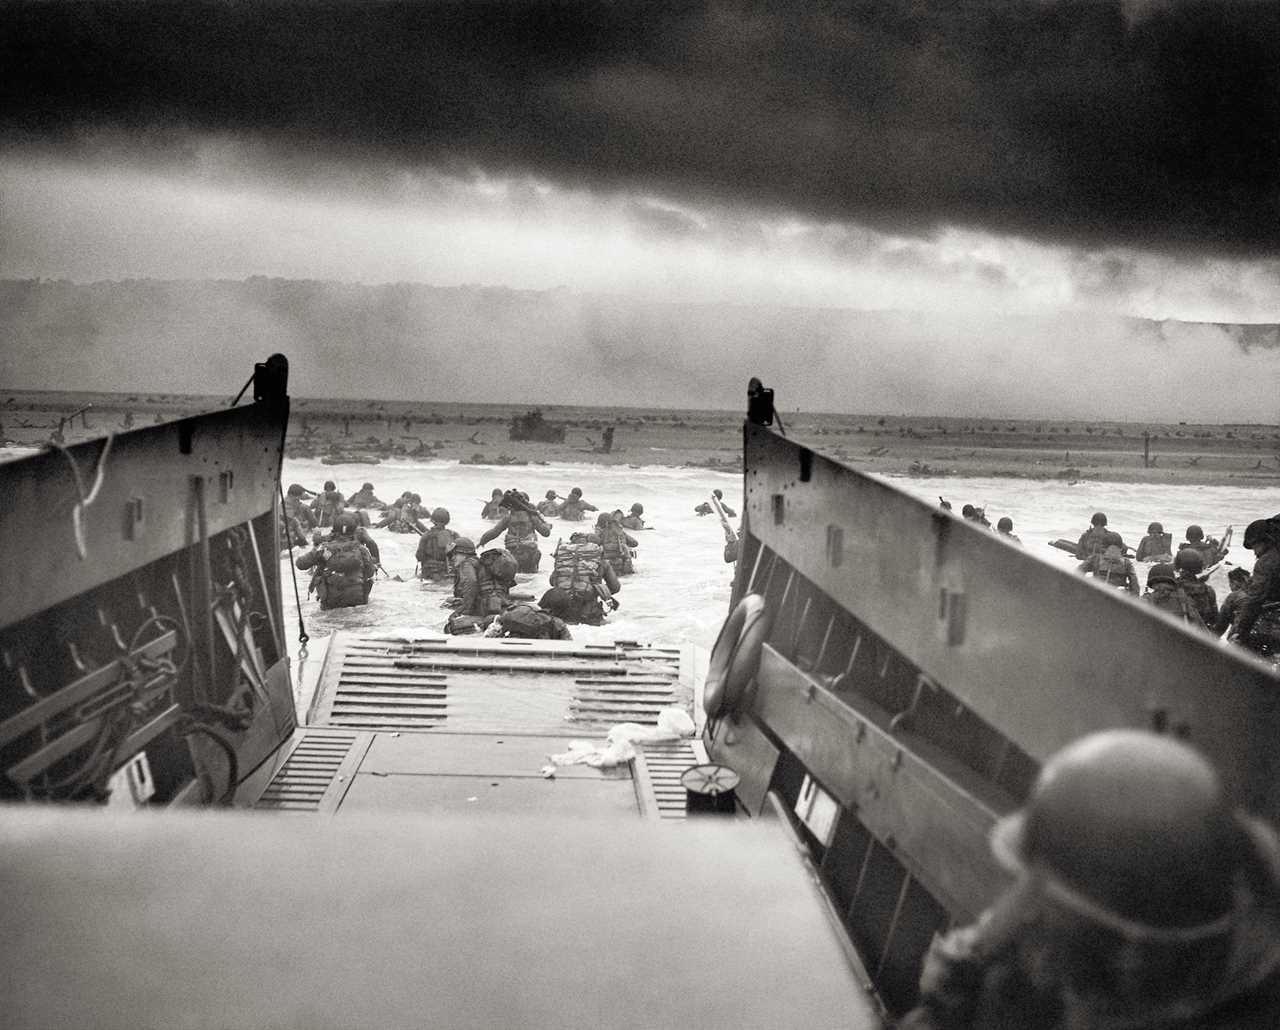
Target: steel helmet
345	523
1189	560
1155	527
1005	525
637	508
1162	573
497	492
367	486
1259	530
440	515
1237	575
576	492
968	510
462	544
551	495
1130	830
1099	519
416	498
1195	534
296	490
330	485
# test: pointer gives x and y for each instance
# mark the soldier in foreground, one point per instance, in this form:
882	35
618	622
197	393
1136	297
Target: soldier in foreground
1258	621
1142	902
1237	578
481	586
344	567
582	582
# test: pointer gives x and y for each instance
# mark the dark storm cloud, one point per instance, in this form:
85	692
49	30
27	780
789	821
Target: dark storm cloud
1155	125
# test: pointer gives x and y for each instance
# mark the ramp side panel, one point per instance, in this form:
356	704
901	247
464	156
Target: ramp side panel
1040	654
236	451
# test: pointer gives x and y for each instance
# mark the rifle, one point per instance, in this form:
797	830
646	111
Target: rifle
398	579
729	535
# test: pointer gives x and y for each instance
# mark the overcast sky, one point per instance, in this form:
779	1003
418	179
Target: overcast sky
1114	158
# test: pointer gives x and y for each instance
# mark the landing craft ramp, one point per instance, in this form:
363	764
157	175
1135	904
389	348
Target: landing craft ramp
445	724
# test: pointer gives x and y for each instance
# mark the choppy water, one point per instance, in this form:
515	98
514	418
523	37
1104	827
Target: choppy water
680	592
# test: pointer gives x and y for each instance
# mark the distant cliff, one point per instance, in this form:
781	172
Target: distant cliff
470	343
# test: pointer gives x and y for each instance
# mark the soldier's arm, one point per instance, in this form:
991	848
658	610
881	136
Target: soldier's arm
631	541
1255	594
587	507
1226	614
492	531
540	524
309	559
469	588
611	578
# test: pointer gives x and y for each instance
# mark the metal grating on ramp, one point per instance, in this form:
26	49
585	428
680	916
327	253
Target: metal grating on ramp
310	770
376	689
657	774
384	682
621	699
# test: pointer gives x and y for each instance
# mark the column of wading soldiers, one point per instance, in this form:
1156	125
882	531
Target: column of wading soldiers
585	576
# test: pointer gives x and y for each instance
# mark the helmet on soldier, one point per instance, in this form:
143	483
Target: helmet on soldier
1189	560
1099	519
462	545
1131	831
440	515
637	508
1195	534
1259	531
1161	573
367	486
345	523
330	485
551	495
1005	525
1155	527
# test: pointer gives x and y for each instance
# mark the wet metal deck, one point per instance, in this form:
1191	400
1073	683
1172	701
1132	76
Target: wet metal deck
437	725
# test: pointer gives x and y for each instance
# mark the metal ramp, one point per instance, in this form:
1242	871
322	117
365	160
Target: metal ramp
400	683
441	725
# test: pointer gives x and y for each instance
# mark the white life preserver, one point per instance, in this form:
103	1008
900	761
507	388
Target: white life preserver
736	656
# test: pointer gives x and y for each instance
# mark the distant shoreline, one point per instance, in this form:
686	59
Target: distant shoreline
928	446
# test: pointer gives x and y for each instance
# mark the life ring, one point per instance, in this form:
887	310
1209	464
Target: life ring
736	656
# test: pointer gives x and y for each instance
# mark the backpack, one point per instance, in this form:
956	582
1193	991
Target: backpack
434	544
577	567
345	558
525	620
1170	597
501	565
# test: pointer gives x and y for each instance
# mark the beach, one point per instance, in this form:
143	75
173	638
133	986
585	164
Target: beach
356	432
